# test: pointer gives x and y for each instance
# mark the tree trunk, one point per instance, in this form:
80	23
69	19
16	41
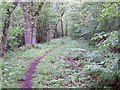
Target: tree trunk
34	28
30	24
66	29
47	28
5	35
44	32
62	28
27	23
62	23
56	32
34	31
48	33
33	24
6	27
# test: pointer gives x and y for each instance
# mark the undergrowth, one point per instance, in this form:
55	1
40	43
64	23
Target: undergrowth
71	63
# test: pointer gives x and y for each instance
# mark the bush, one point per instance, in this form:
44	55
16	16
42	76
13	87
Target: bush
15	37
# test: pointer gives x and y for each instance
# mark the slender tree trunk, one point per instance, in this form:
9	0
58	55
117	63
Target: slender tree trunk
44	33
34	28
6	27
62	28
66	29
56	32
62	23
33	24
47	28
5	35
34	31
27	25
48	33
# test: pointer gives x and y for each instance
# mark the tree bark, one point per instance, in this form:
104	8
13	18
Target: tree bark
30	22
66	29
62	28
6	27
47	28
34	31
27	23
34	26
5	35
44	32
62	23
56	32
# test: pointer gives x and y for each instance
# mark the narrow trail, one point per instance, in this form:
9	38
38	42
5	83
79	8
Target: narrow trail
27	83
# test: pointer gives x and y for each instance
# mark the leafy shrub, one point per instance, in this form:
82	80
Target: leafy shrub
106	69
15	37
105	40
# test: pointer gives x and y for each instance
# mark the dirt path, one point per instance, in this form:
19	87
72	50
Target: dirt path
27	83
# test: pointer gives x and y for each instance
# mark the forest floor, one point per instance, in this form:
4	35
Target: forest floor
26	83
59	63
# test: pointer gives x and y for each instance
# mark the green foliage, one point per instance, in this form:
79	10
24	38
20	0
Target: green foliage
105	40
89	23
96	22
15	65
55	70
107	69
100	29
16	30
15	37
108	11
57	66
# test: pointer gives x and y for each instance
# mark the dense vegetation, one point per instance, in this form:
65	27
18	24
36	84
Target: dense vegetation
83	38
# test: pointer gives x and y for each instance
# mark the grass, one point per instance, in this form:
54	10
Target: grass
52	71
55	70
16	63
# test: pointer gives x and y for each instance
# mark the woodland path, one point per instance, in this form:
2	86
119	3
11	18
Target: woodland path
27	81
